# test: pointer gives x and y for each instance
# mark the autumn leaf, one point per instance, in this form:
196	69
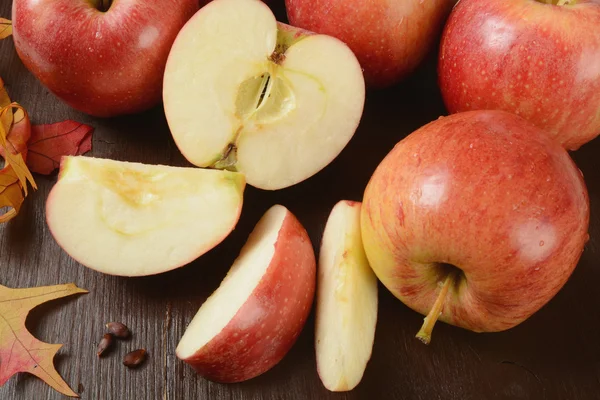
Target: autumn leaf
15	160
5	28
11	194
48	143
19	350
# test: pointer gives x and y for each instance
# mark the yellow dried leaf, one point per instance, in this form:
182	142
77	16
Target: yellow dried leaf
5	28
20	351
15	160
11	194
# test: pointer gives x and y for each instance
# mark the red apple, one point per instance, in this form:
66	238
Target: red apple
102	57
540	61
252	320
485	203
390	38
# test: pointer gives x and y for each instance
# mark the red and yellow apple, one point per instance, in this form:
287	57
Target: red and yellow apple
102	57
252	320
538	60
390	38
484	204
133	219
246	93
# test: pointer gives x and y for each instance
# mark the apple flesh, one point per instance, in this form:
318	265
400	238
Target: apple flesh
540	61
102	57
132	219
252	320
390	38
346	301
484	204
245	93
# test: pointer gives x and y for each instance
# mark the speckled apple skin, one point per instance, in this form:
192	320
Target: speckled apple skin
485	191
389	38
537	60
103	64
268	324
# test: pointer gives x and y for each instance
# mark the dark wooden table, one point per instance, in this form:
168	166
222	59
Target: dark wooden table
553	355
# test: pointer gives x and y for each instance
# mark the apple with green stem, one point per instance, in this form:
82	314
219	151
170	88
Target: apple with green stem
246	93
133	219
535	58
102	57
390	38
346	301
252	320
476	219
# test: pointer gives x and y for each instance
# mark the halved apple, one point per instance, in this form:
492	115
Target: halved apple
133	219
246	93
346	301
251	321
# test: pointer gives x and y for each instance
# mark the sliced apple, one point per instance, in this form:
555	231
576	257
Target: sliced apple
246	93
251	321
346	301
132	219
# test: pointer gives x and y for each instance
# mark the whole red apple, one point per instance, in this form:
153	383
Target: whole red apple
389	38
484	203
102	57
540	61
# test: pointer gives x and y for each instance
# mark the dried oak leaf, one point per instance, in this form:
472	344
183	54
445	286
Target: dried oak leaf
48	143
5	28
19	350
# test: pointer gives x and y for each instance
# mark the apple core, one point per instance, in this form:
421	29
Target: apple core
558	2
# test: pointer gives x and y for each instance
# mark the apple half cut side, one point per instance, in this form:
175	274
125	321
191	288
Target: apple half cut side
252	320
133	219
246	93
346	313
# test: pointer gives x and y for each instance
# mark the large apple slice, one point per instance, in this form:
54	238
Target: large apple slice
253	319
133	219
346	301
271	101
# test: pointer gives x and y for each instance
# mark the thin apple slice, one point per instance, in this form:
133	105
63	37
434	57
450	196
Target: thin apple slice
245	93
251	321
133	219
346	301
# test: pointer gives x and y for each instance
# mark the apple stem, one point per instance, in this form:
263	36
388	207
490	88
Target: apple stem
424	335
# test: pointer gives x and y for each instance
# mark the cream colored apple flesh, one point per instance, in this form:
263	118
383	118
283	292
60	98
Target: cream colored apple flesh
346	301
133	219
254	317
246	93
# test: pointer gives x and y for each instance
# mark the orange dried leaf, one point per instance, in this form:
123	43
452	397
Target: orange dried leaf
11	194
6	119
5	28
49	143
15	160
20	351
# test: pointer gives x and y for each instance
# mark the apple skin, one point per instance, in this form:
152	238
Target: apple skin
539	61
489	193
245	349
389	39
101	63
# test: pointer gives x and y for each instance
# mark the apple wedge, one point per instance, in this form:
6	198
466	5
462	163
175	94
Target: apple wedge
346	301
251	321
132	219
245	93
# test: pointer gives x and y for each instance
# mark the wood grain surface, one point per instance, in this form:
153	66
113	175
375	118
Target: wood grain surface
553	355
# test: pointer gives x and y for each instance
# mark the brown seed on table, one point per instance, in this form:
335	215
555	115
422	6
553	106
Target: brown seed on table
135	358
118	329
105	344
